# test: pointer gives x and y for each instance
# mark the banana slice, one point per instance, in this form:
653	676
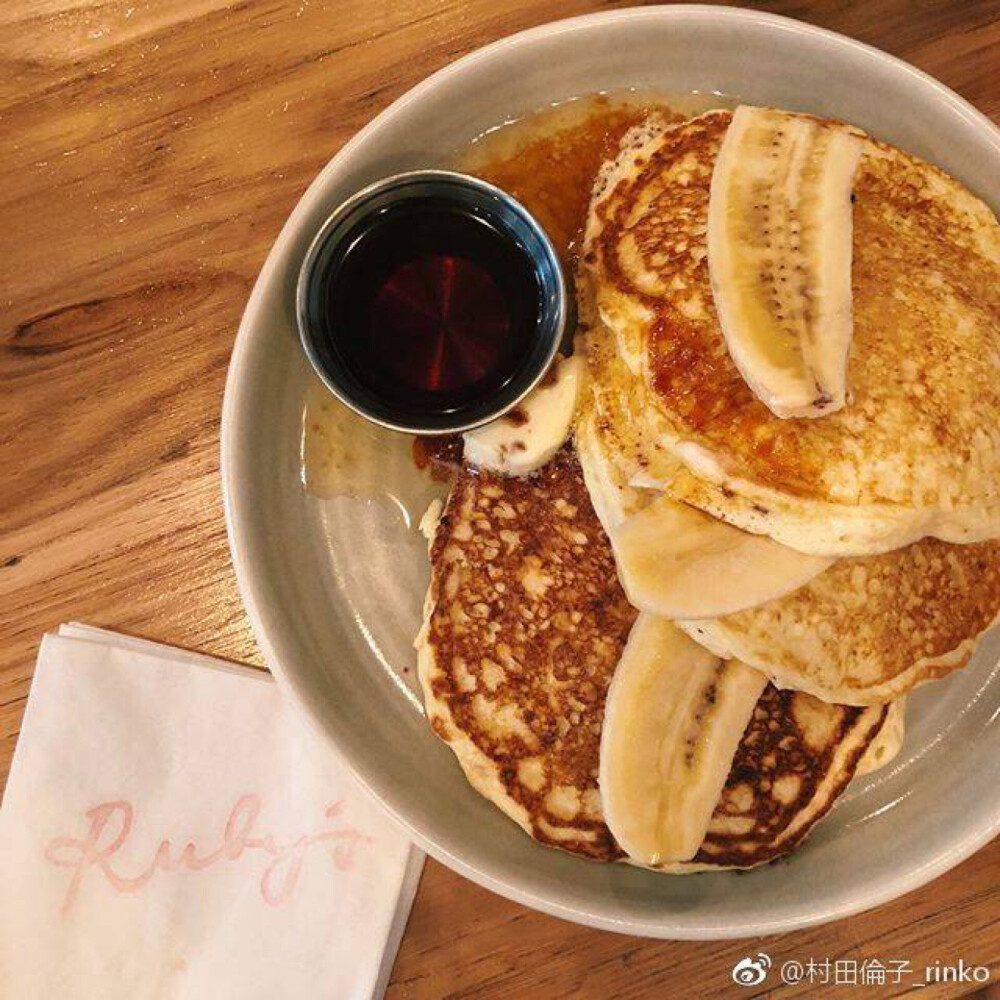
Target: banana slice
679	563
779	256
523	441
673	720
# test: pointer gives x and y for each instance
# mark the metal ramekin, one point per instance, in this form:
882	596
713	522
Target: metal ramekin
508	216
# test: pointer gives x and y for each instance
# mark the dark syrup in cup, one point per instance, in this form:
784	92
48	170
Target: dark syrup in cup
442	306
432	306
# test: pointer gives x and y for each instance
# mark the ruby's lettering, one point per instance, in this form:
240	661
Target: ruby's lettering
111	825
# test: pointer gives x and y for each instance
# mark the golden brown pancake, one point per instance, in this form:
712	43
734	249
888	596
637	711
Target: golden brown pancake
869	629
796	757
915	452
525	623
866	630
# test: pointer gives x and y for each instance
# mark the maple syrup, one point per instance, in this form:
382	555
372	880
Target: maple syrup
432	307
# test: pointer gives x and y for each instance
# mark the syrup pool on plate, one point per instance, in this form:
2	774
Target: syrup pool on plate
345	455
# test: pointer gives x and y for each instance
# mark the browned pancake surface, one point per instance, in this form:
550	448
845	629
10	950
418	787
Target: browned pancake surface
871	628
528	626
920	428
526	623
786	753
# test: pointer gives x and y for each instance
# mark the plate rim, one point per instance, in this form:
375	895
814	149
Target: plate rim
234	505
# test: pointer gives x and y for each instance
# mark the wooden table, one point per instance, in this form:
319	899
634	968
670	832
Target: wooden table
150	152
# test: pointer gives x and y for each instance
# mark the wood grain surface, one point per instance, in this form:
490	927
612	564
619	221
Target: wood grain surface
150	153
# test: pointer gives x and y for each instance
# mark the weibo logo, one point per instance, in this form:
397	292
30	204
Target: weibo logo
751	971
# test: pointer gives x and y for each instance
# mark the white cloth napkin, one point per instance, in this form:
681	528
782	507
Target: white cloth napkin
171	829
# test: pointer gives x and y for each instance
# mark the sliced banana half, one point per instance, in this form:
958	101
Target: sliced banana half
673	720
779	256
677	562
523	441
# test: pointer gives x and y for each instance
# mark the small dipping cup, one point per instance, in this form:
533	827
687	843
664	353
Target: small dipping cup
431	302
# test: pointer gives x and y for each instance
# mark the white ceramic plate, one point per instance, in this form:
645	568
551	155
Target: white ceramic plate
334	588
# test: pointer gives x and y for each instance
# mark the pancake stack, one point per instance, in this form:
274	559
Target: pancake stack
526	623
678	642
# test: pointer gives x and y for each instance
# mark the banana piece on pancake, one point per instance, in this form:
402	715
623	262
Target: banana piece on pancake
915	452
677	562
779	256
522	441
673	560
868	630
673	718
862	631
525	623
